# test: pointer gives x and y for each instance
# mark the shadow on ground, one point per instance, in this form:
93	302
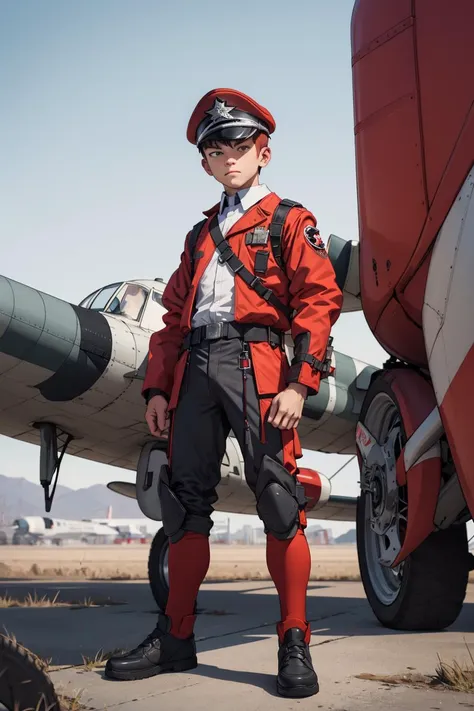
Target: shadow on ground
235	614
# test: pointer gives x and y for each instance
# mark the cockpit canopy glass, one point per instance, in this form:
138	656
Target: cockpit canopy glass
129	301
98	300
121	299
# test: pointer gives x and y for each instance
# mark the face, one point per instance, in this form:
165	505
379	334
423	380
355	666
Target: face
236	166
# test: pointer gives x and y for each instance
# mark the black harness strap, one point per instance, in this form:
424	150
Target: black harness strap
275	230
254	282
276	227
193	238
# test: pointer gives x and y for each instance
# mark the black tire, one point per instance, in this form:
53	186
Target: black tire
3	538
156	569
24	683
434	577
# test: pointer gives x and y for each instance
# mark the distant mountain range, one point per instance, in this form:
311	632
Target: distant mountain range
20	497
348	537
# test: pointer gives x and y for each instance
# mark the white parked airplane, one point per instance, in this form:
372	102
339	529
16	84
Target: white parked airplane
41	529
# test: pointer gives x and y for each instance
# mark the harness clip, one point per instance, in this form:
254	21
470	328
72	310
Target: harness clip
244	359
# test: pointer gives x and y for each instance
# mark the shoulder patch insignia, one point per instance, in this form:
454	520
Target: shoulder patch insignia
314	239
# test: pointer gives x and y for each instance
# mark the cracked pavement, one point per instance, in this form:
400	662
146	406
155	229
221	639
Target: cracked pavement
237	648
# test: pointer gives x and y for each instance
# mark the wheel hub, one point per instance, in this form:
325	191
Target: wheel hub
379	481
380	442
378	491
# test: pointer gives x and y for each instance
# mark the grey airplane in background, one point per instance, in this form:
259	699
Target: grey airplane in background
71	376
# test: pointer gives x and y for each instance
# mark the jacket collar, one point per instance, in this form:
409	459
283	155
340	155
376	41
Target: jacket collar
264	207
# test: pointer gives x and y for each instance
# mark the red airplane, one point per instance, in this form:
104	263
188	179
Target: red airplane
414	131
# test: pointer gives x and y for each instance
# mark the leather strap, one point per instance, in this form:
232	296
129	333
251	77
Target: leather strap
193	238
229	257
324	366
276	227
228	329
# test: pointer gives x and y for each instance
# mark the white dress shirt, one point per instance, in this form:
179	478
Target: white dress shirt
215	292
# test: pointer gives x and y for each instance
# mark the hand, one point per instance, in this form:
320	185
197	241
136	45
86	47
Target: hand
157	416
287	407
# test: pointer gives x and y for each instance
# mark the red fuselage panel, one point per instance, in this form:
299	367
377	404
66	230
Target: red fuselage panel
413	90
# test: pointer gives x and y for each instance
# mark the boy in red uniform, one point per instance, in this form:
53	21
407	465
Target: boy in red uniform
253	269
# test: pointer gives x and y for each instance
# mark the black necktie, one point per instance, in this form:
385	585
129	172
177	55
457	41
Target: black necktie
230	201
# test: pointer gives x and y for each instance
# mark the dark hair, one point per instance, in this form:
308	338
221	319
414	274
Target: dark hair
214	142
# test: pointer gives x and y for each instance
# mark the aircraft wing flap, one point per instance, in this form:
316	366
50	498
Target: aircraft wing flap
337	508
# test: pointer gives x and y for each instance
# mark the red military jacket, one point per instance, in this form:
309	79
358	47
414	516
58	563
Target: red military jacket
307	284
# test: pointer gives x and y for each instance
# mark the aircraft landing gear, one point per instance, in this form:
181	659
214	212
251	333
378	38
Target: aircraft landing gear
426	591
50	460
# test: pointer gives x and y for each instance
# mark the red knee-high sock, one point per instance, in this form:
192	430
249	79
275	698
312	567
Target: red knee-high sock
289	564
188	563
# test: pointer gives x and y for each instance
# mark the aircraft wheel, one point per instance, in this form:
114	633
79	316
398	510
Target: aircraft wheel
24	683
158	569
426	591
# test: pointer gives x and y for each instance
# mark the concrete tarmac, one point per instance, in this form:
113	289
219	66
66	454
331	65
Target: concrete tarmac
237	647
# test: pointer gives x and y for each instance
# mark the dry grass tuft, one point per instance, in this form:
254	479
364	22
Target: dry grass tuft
417	680
6	601
100	658
30	601
456	676
71	703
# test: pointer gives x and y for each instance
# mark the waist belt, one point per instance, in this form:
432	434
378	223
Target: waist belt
228	329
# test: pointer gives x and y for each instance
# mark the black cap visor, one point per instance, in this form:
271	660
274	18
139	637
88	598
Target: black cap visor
232	133
236	129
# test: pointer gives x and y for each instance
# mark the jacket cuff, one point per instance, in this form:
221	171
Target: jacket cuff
152	392
304	374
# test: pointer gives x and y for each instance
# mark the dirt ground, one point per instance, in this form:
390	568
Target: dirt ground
129	562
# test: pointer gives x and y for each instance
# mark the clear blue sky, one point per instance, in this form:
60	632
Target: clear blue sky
98	181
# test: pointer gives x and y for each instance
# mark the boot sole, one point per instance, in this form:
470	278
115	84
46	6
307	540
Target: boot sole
178	666
297	692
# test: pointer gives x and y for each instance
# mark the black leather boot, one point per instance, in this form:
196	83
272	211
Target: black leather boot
296	676
159	652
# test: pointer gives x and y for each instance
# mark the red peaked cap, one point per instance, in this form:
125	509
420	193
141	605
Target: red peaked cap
231	111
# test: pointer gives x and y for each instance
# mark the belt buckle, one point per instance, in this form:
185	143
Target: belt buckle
214	331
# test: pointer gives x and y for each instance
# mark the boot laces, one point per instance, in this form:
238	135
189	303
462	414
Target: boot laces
294	650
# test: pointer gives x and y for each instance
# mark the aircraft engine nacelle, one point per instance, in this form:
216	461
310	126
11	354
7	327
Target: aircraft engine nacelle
31	524
317	487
